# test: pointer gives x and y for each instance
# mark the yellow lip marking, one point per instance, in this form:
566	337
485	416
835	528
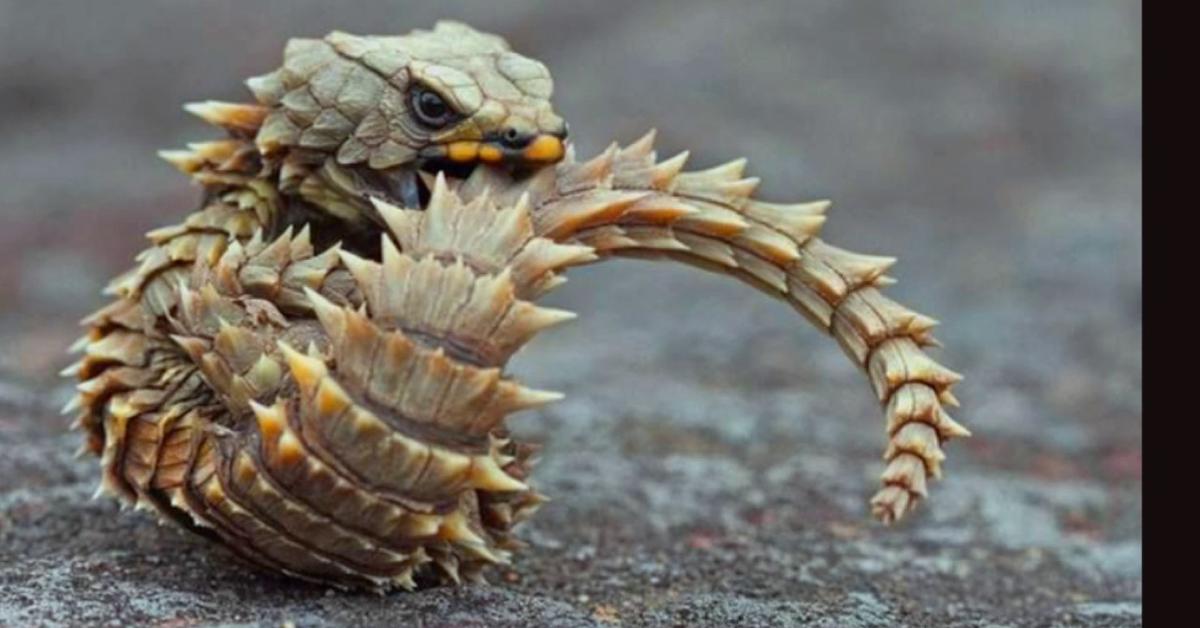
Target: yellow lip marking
544	148
462	151
490	153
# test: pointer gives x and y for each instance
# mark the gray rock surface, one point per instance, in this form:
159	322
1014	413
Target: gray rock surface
712	461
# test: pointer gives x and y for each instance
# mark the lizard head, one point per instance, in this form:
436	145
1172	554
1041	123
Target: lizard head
447	98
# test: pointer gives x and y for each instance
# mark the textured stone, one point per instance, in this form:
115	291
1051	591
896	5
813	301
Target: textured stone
993	148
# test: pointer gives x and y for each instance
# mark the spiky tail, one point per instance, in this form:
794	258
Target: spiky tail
625	202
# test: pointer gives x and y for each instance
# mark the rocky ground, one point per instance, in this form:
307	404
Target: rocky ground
712	461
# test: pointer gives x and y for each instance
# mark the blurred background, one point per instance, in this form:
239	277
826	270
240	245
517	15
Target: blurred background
712	461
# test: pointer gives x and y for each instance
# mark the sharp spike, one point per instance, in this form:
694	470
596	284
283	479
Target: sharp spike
80	344
365	272
728	171
594	171
72	370
270	419
332	317
73	404
418	525
302	243
308	372
884	281
264	375
664	172
331	399
290	449
268	89
641	147
455	529
440	196
405	580
949	428
183	160
533	398
486	475
400	222
801	222
229	115
538	318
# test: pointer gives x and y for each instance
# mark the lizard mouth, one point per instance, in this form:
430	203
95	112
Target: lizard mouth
520	157
519	153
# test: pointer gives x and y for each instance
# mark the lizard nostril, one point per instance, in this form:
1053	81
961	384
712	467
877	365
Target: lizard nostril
515	139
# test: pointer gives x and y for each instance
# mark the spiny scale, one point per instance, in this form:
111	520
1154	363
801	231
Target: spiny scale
355	427
335	410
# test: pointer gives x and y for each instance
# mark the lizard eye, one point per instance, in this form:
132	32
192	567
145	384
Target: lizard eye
430	109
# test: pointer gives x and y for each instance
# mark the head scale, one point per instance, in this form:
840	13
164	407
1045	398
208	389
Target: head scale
450	94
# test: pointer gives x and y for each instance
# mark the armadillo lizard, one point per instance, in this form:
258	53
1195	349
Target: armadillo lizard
310	368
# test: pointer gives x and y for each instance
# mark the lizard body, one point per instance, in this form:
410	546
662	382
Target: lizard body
311	366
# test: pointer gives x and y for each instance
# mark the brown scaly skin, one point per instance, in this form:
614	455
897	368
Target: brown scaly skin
314	374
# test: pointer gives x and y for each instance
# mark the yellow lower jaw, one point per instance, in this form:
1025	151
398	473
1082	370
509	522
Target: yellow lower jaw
543	148
490	154
462	151
469	152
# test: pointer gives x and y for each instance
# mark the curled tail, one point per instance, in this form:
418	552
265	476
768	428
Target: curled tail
625	202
